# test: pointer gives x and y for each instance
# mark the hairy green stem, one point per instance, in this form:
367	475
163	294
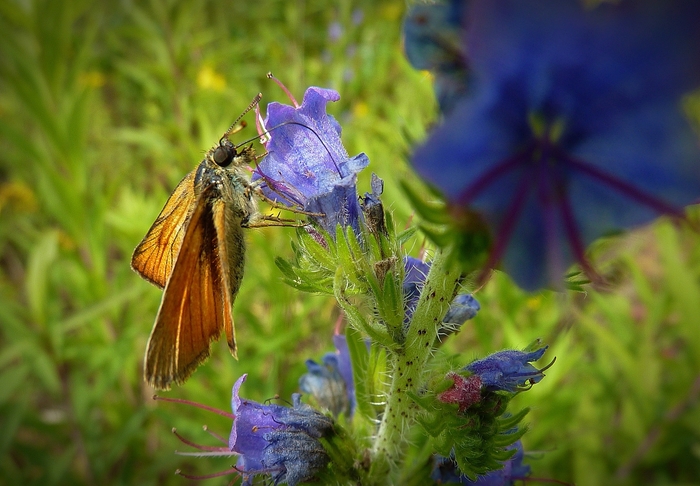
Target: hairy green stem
408	365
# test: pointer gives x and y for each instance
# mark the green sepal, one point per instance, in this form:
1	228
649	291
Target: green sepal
575	281
535	345
360	266
511	421
343	454
322	257
350	258
353	314
301	280
391	230
404	236
506	438
287	270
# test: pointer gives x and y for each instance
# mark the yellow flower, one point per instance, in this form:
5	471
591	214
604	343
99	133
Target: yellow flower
18	196
209	79
92	79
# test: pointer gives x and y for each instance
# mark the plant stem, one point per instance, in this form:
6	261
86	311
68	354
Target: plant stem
409	363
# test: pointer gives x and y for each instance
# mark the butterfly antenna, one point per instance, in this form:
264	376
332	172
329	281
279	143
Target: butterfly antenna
233	126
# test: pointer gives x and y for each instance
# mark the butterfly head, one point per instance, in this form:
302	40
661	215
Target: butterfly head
224	153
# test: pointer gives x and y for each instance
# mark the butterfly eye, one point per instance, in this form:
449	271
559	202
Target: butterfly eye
223	155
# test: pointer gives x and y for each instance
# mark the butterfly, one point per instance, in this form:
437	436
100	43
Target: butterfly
195	251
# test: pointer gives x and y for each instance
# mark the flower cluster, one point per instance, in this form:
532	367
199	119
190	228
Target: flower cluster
282	442
351	250
563	122
473	401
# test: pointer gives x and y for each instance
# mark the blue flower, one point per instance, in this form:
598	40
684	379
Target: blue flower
445	471
571	127
278	441
508	370
330	382
462	308
307	165
415	271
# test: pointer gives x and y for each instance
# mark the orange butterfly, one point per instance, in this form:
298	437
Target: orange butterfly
195	251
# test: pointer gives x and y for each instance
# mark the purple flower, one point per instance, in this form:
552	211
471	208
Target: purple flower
277	440
508	370
307	165
445	471
331	382
571	127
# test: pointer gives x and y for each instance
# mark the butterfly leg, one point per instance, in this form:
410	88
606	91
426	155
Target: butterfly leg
265	220
254	187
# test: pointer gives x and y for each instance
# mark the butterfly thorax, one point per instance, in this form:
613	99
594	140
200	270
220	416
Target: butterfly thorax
223	175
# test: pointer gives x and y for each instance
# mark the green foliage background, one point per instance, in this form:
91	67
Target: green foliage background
104	107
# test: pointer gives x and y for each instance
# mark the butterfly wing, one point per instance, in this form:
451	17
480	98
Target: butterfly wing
231	252
196	304
155	256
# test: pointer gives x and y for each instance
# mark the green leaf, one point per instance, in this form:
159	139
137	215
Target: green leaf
41	260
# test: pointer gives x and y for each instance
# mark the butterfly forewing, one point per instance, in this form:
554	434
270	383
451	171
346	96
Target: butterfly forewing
196	303
155	256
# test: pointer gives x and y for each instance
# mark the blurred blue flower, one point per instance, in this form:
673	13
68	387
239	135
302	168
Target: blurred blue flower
445	471
357	16
330	382
278	441
508	370
335	31
571	127
433	41
307	165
